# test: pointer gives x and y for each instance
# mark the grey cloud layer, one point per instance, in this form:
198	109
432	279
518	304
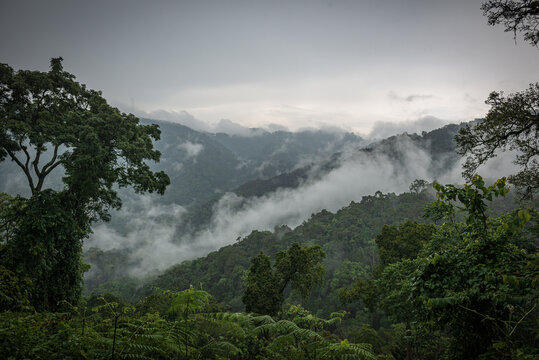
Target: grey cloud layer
254	62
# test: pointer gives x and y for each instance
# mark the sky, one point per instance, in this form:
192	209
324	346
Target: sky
357	65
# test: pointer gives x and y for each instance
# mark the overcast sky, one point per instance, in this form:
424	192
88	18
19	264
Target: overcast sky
292	63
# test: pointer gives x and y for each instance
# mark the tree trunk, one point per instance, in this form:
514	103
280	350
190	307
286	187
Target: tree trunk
408	342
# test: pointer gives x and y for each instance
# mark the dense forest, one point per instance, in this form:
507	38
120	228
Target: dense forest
441	271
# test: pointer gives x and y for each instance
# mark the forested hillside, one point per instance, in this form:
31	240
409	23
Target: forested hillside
346	237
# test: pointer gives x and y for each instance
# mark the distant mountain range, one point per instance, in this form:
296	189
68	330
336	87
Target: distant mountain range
201	165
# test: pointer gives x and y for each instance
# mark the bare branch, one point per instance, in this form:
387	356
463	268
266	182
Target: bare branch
24	168
44	169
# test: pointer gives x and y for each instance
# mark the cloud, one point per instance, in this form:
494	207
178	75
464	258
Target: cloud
147	236
232	128
192	149
384	129
180	117
411	97
150	236
276	127
187	119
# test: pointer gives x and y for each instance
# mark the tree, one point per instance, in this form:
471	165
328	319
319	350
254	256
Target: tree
511	124
298	265
418	185
479	282
262	294
96	145
51	122
521	16
301	266
369	293
402	242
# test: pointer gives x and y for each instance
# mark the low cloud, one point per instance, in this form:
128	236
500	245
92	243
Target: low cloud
229	127
180	117
153	245
410	98
151	239
224	125
192	149
384	129
147	233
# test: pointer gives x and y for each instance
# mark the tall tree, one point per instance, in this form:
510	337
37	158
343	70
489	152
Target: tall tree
96	144
262	294
300	266
48	121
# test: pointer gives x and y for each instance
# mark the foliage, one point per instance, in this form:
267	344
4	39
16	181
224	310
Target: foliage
299	266
13	291
188	302
480	285
402	242
50	121
347	238
418	185
116	331
46	248
95	144
510	124
262	294
515	15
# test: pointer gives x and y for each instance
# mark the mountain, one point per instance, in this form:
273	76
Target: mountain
437	147
270	154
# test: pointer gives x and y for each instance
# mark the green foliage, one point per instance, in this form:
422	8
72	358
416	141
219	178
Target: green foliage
478	283
116	331
48	115
10	208
472	197
13	291
402	242
46	248
262	295
96	145
299	266
188	302
511	124
345	236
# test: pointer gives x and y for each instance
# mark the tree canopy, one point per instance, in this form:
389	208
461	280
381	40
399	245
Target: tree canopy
511	124
298	265
516	16
49	121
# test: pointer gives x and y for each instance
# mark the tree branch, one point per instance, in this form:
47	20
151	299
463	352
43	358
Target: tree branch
48	167
24	168
36	160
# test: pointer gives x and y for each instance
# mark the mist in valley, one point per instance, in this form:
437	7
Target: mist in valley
149	233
